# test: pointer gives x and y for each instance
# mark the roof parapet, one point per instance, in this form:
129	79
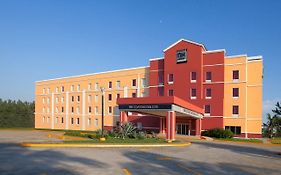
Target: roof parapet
172	45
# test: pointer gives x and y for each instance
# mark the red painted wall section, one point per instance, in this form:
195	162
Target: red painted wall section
212	122
155	70
148	122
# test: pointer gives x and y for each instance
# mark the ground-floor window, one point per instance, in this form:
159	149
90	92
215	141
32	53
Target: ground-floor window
139	125
235	129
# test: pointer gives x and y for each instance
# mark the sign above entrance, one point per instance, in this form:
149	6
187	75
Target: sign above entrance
145	106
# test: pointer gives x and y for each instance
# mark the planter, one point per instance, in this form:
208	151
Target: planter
102	139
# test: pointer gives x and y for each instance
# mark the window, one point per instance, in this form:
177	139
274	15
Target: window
43	110
90	109
235	92
207	109
143	94
109	97
170	78
78	87
96	122
57	99
96	110
89	86
89	121
134	82
72	98
48	110
235	129
96	98
49	90
44	90
89	99
97	86
62	89
62	120
193	93
48	120
110	85
72	121
235	110
62	99
77	110
160	79
109	110
78	98
181	56
62	109
235	75
118	84
72	88
77	121
208	76
171	92
48	100
117	95
139	125
143	82
43	100
57	109
72	109
193	77
57	120
160	91
134	95
43	119
57	89
208	93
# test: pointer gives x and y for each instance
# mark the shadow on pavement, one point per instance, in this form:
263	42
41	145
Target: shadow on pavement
253	151
15	159
149	164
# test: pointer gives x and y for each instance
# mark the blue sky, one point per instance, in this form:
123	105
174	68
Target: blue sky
49	38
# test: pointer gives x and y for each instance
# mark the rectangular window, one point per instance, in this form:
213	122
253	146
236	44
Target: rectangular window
97	86
160	91
170	78
134	95
62	109
109	110
89	99
193	94
96	98
72	88
77	110
89	121
96	110
77	121
72	98
117	95
160	79
143	82
72	121
72	109
207	109
109	97
235	129
89	86
171	92
134	82
110	84
208	76
57	99
235	92
90	109
62	89
118	84
235	109
62	120
78	87
235	75
193	77
96	122
62	99
208	93
78	98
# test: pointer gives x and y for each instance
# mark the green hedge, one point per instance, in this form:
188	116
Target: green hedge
218	133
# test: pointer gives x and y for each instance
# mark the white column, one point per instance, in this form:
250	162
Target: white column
125	91
246	110
66	109
52	116
83	108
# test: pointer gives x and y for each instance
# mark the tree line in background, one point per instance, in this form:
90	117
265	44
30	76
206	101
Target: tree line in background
16	114
273	126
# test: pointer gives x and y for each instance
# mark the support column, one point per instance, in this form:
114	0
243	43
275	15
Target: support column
171	125
198	127
123	117
161	128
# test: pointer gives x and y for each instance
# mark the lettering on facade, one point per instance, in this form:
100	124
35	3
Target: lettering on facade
145	106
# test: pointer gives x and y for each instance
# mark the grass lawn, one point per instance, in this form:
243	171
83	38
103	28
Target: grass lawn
241	140
276	140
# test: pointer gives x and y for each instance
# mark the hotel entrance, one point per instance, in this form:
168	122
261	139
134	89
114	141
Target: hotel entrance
183	129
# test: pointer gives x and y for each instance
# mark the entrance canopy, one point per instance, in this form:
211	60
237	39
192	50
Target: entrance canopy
159	106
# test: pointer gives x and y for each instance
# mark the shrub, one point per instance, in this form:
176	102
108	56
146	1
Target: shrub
141	135
99	134
128	130
218	133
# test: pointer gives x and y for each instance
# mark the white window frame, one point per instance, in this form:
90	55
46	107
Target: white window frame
207	114
193	81
118	84
193	97
96	122
96	86
78	87
72	88
208	81
96	98
89	86
170	82
206	97
77	119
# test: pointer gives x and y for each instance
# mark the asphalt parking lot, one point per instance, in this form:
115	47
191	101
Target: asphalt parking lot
199	158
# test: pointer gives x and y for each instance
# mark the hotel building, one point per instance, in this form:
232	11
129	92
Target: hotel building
189	90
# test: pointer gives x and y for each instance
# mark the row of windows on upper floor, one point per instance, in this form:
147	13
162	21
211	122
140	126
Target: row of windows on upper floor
193	77
110	98
235	110
109	110
89	121
193	93
118	86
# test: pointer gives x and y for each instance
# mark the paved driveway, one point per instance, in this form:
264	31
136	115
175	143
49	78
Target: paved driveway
199	158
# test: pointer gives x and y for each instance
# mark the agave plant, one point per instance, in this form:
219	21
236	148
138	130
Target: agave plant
127	130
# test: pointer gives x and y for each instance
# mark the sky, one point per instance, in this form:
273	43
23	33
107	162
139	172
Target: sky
45	39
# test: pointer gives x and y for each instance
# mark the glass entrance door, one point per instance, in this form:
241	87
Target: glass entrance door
183	129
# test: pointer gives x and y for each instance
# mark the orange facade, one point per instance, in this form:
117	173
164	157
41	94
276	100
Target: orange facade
228	89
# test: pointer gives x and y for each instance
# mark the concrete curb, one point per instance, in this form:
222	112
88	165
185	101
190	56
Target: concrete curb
62	145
